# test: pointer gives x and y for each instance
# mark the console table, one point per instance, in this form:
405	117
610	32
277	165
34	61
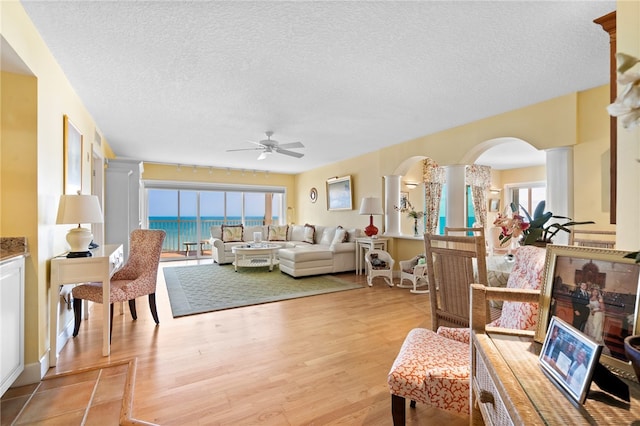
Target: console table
100	267
510	388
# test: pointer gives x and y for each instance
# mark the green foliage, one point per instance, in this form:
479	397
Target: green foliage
537	230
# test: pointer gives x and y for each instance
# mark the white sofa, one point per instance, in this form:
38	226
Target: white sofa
298	256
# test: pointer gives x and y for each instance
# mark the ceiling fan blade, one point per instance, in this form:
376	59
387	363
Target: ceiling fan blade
290	153
291	145
262	155
245	149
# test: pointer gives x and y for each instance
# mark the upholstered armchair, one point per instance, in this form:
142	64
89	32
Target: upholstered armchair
433	367
379	264
414	270
136	278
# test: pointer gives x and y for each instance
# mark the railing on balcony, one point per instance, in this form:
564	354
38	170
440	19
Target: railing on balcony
181	230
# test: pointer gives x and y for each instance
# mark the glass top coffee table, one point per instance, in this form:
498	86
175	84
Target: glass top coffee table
255	256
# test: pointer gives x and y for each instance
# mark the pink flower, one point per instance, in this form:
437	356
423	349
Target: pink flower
512	227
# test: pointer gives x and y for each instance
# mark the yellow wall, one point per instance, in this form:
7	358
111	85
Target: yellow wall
574	119
32	125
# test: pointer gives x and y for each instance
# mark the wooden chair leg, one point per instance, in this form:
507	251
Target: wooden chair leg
152	306
132	309
77	315
397	410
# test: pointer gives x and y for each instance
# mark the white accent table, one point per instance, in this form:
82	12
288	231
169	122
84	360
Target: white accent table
100	267
255	256
367	243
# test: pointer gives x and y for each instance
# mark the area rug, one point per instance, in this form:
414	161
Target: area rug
206	288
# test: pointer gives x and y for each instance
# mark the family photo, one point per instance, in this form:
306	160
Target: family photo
598	298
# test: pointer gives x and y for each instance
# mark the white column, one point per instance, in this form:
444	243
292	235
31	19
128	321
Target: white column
456	196
560	186
391	199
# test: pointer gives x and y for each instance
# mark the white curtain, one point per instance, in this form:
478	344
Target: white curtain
479	179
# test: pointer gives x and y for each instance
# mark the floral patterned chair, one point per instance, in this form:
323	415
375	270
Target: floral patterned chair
433	367
136	278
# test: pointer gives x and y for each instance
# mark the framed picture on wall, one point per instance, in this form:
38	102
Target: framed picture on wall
404	200
72	157
339	196
595	290
494	204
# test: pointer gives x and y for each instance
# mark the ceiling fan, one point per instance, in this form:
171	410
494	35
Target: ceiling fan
269	146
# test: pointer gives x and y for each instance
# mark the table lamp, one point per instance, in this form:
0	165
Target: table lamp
371	206
79	209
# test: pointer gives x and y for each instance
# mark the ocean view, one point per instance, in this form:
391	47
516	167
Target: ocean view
185	228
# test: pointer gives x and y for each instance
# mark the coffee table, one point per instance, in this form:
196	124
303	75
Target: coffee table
255	256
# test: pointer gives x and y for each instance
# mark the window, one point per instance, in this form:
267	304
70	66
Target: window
470	215
527	195
187	211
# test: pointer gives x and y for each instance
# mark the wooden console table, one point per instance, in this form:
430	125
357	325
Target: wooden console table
510	388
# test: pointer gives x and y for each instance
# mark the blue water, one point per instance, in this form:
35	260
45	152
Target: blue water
180	230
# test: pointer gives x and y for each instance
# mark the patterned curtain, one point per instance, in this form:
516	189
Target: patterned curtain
433	177
479	178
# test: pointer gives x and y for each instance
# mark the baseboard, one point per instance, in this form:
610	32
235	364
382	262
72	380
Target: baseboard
33	372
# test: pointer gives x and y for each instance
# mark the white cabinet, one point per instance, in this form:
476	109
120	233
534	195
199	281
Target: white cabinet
122	210
11	321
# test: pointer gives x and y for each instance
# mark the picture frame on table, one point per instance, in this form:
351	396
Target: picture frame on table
569	358
72	157
339	193
607	313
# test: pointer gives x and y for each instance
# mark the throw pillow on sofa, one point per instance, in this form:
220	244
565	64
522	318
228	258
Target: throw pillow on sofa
277	233
231	233
309	233
339	237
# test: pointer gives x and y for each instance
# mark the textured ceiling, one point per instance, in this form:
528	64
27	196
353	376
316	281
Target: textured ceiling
182	82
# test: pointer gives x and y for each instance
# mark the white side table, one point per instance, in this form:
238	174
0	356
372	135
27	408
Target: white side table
367	243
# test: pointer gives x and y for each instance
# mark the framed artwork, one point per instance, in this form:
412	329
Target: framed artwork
72	157
494	204
595	290
569	358
339	193
404	199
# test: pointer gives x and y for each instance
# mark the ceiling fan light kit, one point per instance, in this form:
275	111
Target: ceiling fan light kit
269	146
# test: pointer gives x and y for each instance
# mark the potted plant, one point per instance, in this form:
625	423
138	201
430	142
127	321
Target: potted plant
535	230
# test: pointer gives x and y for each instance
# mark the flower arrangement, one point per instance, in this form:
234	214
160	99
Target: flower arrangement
627	105
412	213
533	230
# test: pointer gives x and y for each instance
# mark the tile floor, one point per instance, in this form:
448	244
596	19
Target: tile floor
93	396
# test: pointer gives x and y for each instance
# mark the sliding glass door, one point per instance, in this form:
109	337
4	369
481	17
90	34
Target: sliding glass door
187	215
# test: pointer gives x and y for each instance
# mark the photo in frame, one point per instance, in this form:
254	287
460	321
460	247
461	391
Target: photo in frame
404	200
339	194
494	204
72	157
596	291
569	358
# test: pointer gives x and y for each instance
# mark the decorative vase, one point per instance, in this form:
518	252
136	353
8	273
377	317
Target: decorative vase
632	349
415	228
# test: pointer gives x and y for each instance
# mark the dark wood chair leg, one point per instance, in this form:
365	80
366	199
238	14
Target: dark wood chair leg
397	410
77	315
152	305
111	323
132	309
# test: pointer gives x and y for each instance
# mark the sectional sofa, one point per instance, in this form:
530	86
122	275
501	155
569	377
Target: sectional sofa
306	249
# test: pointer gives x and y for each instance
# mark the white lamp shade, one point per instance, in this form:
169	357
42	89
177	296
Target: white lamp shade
79	209
371	205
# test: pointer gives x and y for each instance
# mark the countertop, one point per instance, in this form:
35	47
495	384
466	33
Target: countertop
11	247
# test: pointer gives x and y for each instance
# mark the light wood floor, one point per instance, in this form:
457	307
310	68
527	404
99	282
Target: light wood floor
316	360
